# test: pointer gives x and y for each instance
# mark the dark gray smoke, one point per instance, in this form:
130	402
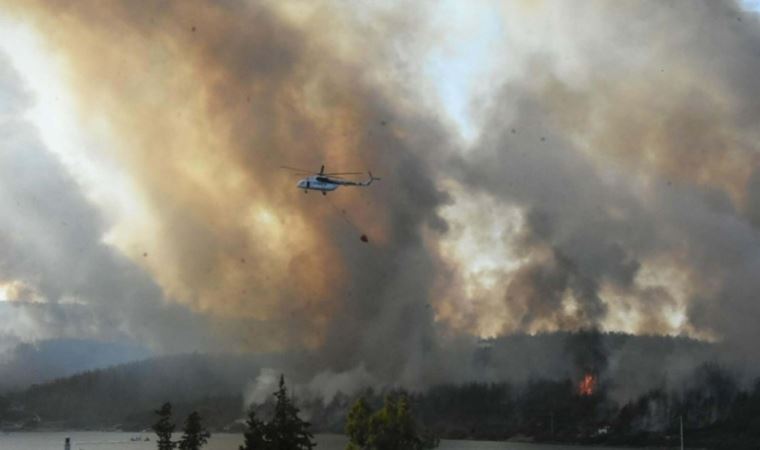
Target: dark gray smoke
634	162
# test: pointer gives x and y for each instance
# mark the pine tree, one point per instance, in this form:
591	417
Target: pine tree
254	436
286	431
164	427
195	436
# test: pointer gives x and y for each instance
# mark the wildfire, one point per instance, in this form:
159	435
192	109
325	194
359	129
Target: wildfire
587	385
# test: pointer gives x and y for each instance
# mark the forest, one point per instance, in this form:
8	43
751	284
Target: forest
581	405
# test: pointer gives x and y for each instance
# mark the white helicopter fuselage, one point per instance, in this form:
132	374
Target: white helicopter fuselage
317	183
325	184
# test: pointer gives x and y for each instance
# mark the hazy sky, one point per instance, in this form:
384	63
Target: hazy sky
546	165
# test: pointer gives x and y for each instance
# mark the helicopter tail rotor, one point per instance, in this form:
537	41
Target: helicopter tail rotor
370	180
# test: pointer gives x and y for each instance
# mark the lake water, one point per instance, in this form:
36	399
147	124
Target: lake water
86	440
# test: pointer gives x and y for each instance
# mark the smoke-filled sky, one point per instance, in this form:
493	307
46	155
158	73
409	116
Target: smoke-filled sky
546	165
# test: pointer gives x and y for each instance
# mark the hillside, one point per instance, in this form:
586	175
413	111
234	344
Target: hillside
32	363
124	395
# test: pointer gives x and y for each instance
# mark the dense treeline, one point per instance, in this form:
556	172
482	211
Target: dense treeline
717	412
714	406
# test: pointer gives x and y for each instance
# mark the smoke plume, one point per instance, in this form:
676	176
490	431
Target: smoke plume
614	182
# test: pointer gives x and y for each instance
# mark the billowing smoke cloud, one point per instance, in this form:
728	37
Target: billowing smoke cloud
208	101
631	152
59	278
623	144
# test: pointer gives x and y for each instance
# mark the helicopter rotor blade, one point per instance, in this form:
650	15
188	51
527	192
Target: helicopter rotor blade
296	169
321	171
344	173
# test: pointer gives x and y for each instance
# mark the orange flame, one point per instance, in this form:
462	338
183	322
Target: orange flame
587	385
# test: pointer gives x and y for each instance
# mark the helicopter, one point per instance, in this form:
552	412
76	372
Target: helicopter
327	182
